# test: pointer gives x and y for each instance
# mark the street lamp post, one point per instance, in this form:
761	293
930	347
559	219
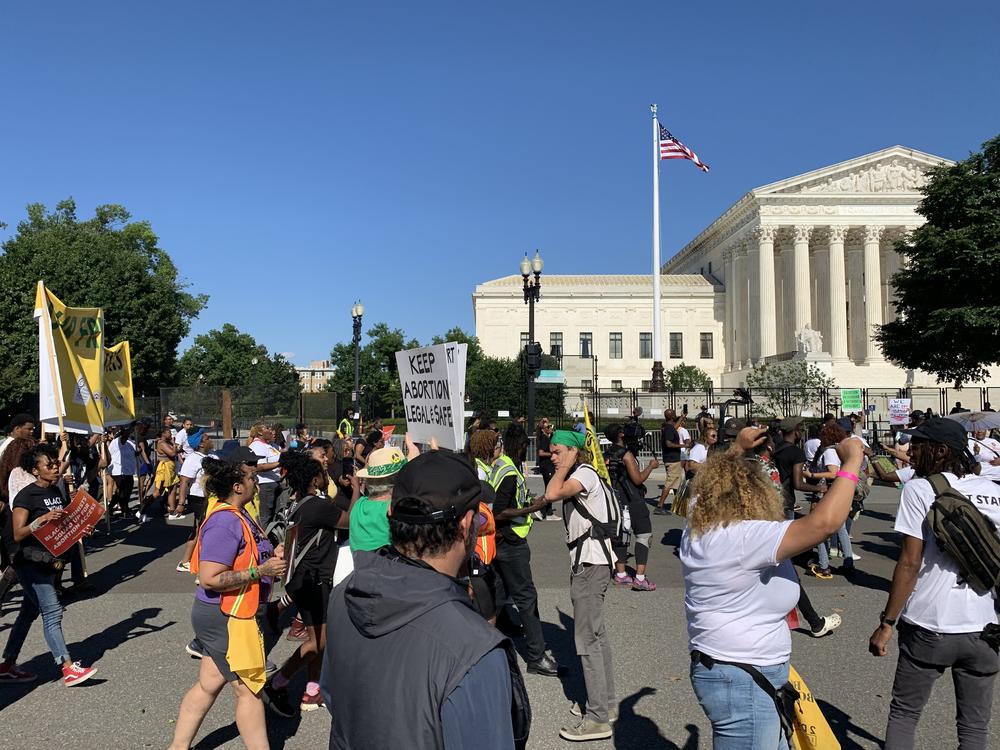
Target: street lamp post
532	354
356	312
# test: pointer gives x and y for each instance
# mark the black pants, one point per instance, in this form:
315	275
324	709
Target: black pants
513	564
268	491
123	491
923	657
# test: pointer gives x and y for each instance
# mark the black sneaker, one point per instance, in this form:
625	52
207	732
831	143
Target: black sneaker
277	700
194	649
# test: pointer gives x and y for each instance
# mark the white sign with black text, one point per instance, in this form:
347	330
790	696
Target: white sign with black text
432	379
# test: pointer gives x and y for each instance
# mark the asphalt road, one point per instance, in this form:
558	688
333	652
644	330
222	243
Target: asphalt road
135	627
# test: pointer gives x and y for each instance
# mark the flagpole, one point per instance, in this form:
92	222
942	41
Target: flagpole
656	384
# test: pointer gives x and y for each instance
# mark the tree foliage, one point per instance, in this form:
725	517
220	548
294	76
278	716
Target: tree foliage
687	378
107	261
787	388
229	357
947	298
380	391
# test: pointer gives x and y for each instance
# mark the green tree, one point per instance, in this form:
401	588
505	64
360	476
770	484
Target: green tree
458	336
229	357
107	261
947	300
494	383
687	378
787	388
381	394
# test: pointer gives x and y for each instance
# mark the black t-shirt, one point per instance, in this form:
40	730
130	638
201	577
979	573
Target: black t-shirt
668	434
785	456
37	501
506	498
312	515
545	444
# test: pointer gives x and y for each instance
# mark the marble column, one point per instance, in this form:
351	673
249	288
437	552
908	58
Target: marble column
763	295
800	259
754	316
838	295
873	291
739	288
727	257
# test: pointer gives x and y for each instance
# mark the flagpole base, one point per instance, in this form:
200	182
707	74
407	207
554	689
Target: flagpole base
657	384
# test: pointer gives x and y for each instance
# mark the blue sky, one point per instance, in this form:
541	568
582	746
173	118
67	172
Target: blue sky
312	153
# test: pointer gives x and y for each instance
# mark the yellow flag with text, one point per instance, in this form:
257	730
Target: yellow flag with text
118	397
593	446
70	364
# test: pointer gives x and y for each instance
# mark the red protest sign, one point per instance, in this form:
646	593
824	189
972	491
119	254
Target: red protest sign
60	536
387	432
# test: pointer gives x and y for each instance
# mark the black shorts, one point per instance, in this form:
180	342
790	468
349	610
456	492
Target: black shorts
198	506
312	598
639	513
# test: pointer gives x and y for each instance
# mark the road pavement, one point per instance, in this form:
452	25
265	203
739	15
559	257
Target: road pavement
136	625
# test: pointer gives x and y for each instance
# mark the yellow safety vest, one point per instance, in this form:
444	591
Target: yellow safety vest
502	469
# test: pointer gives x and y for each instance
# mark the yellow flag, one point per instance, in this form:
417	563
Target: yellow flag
118	397
70	363
812	731
593	446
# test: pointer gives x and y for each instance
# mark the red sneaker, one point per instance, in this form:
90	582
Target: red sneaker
297	632
11	675
76	674
311	702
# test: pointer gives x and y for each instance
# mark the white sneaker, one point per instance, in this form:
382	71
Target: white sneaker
171	516
855	557
836	553
183	567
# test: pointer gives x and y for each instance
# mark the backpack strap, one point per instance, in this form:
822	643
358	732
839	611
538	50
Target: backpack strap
940	484
588	516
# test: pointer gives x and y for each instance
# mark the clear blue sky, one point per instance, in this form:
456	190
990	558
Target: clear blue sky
403	152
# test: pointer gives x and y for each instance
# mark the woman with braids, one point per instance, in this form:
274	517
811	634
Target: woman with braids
235	563
740	585
316	519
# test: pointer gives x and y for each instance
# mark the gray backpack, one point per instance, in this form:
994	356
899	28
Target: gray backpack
967	536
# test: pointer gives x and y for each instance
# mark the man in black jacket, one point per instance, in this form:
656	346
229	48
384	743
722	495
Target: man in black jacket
407	637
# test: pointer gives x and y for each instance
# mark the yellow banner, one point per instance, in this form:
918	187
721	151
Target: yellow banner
593	446
118	398
70	363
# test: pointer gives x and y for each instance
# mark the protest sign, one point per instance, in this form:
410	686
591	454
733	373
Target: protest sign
850	400
432	379
899	410
60	536
71	364
119	401
387	433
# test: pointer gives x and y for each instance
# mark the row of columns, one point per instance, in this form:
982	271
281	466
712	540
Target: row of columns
751	324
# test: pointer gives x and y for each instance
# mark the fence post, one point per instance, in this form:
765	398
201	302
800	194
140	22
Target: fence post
227	414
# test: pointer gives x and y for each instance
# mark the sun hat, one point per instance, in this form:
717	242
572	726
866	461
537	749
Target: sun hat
384	462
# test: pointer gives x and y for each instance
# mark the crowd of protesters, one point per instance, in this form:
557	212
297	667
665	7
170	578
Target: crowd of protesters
405	572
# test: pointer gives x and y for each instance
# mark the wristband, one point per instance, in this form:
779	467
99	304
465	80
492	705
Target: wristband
848	475
254	575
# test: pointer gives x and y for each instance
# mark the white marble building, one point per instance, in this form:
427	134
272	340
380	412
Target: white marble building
816	250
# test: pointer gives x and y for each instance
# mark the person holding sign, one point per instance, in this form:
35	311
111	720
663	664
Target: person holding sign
235	563
34	507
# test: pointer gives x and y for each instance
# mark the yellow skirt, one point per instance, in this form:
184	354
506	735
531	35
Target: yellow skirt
166	474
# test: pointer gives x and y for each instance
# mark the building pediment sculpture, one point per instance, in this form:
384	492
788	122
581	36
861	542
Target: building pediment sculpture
808	340
892	176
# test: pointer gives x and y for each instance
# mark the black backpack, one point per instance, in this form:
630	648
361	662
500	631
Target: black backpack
966	535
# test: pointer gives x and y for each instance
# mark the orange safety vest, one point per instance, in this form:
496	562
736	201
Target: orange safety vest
486	544
241	603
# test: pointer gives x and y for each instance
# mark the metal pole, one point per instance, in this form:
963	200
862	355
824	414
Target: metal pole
531	376
357	365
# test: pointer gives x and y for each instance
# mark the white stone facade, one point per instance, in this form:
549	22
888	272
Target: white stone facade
816	250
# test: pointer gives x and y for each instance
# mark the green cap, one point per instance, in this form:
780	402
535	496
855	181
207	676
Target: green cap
571	438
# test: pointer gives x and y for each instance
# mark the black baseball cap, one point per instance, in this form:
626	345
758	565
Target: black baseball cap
790	424
940	430
918	416
236	453
445	486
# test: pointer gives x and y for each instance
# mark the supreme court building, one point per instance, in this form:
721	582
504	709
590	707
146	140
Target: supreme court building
799	267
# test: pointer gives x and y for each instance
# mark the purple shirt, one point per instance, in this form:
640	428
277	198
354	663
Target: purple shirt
222	541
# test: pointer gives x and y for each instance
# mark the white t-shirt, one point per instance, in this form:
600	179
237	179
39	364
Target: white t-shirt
812	445
736	593
596	502
183	448
4	443
699	453
268	455
122	457
682	437
940	602
830	458
191	468
17	480
985	450
905	473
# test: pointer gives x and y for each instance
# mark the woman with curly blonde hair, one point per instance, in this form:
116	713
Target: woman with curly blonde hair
739	586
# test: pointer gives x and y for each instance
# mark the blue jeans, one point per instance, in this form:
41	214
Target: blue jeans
743	716
844	540
39	597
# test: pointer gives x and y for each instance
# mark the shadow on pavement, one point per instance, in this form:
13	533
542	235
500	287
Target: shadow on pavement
88	651
559	639
635	731
842	726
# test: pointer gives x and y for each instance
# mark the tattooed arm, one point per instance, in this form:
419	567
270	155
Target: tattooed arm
220	577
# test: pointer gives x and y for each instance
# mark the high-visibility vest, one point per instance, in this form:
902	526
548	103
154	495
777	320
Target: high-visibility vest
503	468
486	541
345	429
241	603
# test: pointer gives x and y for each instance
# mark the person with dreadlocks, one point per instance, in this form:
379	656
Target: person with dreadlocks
941	619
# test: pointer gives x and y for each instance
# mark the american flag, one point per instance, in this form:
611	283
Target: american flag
671	148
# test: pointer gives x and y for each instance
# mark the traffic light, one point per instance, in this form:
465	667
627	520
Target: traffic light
533	357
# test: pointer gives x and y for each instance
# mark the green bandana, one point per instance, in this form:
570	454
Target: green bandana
570	438
386	469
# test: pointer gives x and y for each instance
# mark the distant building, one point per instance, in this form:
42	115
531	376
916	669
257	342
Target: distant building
315	377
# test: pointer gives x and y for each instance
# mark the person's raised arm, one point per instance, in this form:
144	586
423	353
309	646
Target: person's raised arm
632	467
799	483
828	514
561	488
